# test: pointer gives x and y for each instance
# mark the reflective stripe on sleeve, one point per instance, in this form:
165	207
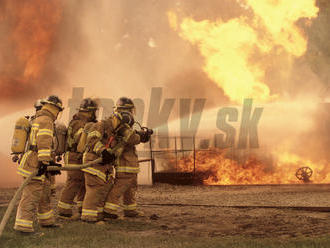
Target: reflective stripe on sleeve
98	147
34	130
23	161
76	135
94	134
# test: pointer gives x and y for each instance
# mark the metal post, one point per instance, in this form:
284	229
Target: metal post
194	156
151	161
150	147
176	155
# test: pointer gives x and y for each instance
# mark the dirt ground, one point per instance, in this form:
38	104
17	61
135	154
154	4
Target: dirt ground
219	217
228	221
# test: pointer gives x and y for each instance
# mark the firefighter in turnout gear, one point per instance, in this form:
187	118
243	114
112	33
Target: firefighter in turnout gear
126	163
75	182
98	179
35	198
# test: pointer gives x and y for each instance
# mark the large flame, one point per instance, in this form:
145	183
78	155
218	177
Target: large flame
217	169
32	26
234	50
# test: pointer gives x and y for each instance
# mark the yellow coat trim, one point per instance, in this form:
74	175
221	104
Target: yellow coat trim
95	172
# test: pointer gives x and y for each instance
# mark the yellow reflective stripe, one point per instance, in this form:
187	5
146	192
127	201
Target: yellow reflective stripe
84	157
46	215
98	147
94	134
112	206
22	224
26	173
34	130
95	172
130	207
64	205
25	223
66	158
75	136
42	177
23	172
44	153
89	212
22	163
100	210
128	169
45	132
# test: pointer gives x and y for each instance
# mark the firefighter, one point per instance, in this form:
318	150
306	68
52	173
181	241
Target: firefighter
127	167
101	143
98	179
38	106
75	183
35	198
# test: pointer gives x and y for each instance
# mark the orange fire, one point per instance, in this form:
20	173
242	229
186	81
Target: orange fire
31	26
217	169
237	52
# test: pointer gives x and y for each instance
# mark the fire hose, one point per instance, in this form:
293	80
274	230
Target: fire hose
13	201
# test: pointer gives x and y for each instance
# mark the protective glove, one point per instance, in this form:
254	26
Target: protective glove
107	157
42	168
53	173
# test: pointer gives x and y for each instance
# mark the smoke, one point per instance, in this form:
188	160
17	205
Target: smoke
115	48
38	40
123	48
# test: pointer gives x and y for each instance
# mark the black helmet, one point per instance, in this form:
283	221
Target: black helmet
125	103
53	100
88	104
38	105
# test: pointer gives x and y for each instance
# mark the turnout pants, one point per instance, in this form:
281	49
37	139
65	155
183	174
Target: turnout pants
74	187
35	199
96	192
125	186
